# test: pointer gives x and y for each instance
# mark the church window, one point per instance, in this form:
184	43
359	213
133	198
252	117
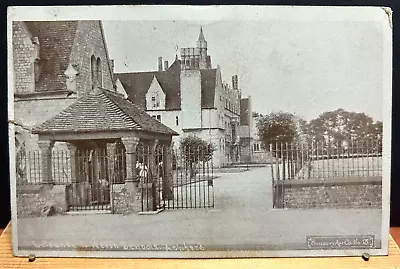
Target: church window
99	73
93	69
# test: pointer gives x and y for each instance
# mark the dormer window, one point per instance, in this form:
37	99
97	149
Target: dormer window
155	97
155	100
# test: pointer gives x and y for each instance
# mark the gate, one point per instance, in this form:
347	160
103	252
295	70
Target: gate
175	178
91	191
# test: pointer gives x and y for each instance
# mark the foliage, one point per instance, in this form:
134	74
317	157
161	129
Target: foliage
339	127
196	149
277	128
332	129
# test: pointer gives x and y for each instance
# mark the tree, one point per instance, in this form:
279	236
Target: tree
195	150
336	128
278	127
278	133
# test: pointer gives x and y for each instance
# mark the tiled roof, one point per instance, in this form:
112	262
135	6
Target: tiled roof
56	39
102	110
137	84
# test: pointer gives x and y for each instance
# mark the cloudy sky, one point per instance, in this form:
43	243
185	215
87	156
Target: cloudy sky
300	67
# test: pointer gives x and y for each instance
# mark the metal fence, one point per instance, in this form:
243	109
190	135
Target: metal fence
323	161
167	178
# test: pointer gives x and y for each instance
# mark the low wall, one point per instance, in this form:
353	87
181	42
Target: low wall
333	193
32	199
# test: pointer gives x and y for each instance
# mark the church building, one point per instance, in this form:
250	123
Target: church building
190	97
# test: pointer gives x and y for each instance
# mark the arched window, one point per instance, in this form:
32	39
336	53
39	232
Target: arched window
99	73
177	120
94	71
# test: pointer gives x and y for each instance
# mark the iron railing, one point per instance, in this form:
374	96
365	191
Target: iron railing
322	161
167	178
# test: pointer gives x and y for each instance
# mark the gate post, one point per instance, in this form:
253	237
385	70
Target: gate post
131	180
167	177
72	153
45	147
153	169
73	196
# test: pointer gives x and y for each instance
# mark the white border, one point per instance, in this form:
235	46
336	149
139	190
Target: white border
212	13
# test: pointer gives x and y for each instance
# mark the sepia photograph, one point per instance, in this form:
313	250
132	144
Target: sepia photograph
199	132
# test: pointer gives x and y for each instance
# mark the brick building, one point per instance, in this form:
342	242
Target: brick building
190	97
55	62
65	101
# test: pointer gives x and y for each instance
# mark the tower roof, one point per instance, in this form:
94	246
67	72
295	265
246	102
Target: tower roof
201	41
201	35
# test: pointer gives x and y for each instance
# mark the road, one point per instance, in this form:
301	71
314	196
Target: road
243	216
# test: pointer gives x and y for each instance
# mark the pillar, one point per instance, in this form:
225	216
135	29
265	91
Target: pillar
167	189
72	153
150	190
130	144
45	147
111	152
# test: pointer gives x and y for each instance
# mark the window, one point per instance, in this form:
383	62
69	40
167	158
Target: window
159	117
94	72
154	116
155	100
99	73
256	147
37	69
177	120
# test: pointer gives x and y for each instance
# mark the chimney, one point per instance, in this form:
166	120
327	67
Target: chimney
235	85
160	64
209	62
166	65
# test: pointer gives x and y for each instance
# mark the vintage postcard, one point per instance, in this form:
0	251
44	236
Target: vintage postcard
199	132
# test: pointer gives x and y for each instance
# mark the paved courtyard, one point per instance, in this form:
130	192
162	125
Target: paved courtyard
243	216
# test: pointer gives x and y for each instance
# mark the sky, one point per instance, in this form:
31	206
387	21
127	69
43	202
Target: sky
305	68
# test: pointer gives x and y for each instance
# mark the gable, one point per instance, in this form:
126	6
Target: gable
155	96
90	42
138	84
120	88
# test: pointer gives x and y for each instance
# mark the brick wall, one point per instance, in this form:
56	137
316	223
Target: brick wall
31	199
89	41
34	111
22	58
333	193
